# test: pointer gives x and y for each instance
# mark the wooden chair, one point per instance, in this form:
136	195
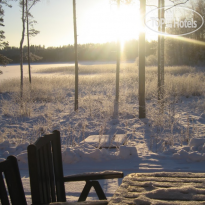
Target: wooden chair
46	174
10	169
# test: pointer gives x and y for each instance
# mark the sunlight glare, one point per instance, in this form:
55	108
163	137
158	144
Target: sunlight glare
127	22
106	23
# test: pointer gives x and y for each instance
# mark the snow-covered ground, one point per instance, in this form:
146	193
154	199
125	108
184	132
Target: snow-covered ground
13	71
142	149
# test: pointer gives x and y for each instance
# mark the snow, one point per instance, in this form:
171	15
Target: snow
70	155
196	142
194	152
105	141
12	71
133	154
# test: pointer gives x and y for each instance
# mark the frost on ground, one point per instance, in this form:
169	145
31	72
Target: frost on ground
170	138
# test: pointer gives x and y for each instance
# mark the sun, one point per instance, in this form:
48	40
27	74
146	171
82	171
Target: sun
128	24
107	23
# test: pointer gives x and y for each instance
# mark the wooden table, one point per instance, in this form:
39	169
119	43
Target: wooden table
162	188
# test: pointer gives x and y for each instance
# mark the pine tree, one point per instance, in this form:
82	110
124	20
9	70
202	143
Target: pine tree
3	44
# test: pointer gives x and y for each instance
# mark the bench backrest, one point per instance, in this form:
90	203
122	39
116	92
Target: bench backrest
9	168
46	169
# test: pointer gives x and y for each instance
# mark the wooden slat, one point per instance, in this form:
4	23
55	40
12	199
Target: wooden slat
4	166
161	202
14	183
3	194
93	176
174	195
10	169
51	172
42	141
58	166
162	189
43	173
47	173
170	174
168	179
34	175
165	184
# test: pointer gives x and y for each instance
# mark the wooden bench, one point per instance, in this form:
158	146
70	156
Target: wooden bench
46	174
10	169
163	188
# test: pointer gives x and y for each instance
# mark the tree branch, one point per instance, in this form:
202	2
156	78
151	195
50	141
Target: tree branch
176	4
4	60
152	5
172	6
34	2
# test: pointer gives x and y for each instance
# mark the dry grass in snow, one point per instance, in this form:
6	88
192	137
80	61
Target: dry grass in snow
48	103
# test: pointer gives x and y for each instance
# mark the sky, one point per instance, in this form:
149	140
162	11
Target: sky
98	21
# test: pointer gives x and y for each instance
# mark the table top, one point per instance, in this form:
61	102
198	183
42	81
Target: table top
161	188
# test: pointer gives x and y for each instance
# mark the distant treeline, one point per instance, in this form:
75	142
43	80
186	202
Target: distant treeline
86	52
177	52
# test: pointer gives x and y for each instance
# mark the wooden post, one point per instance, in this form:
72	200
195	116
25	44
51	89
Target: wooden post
142	110
76	56
118	63
161	29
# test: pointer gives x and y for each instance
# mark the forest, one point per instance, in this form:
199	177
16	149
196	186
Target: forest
86	52
177	52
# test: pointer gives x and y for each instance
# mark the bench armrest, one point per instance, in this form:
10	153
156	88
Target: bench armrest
94	176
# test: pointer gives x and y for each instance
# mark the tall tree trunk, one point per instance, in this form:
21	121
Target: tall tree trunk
161	29
159	52
76	56
21	49
118	51
118	62
28	43
142	111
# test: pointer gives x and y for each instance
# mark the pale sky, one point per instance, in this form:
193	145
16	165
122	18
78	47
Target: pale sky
97	21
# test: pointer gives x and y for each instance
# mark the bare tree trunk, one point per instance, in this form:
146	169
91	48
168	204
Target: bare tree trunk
159	52
21	49
116	101
162	54
28	43
118	63
161	29
142	111
76	56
